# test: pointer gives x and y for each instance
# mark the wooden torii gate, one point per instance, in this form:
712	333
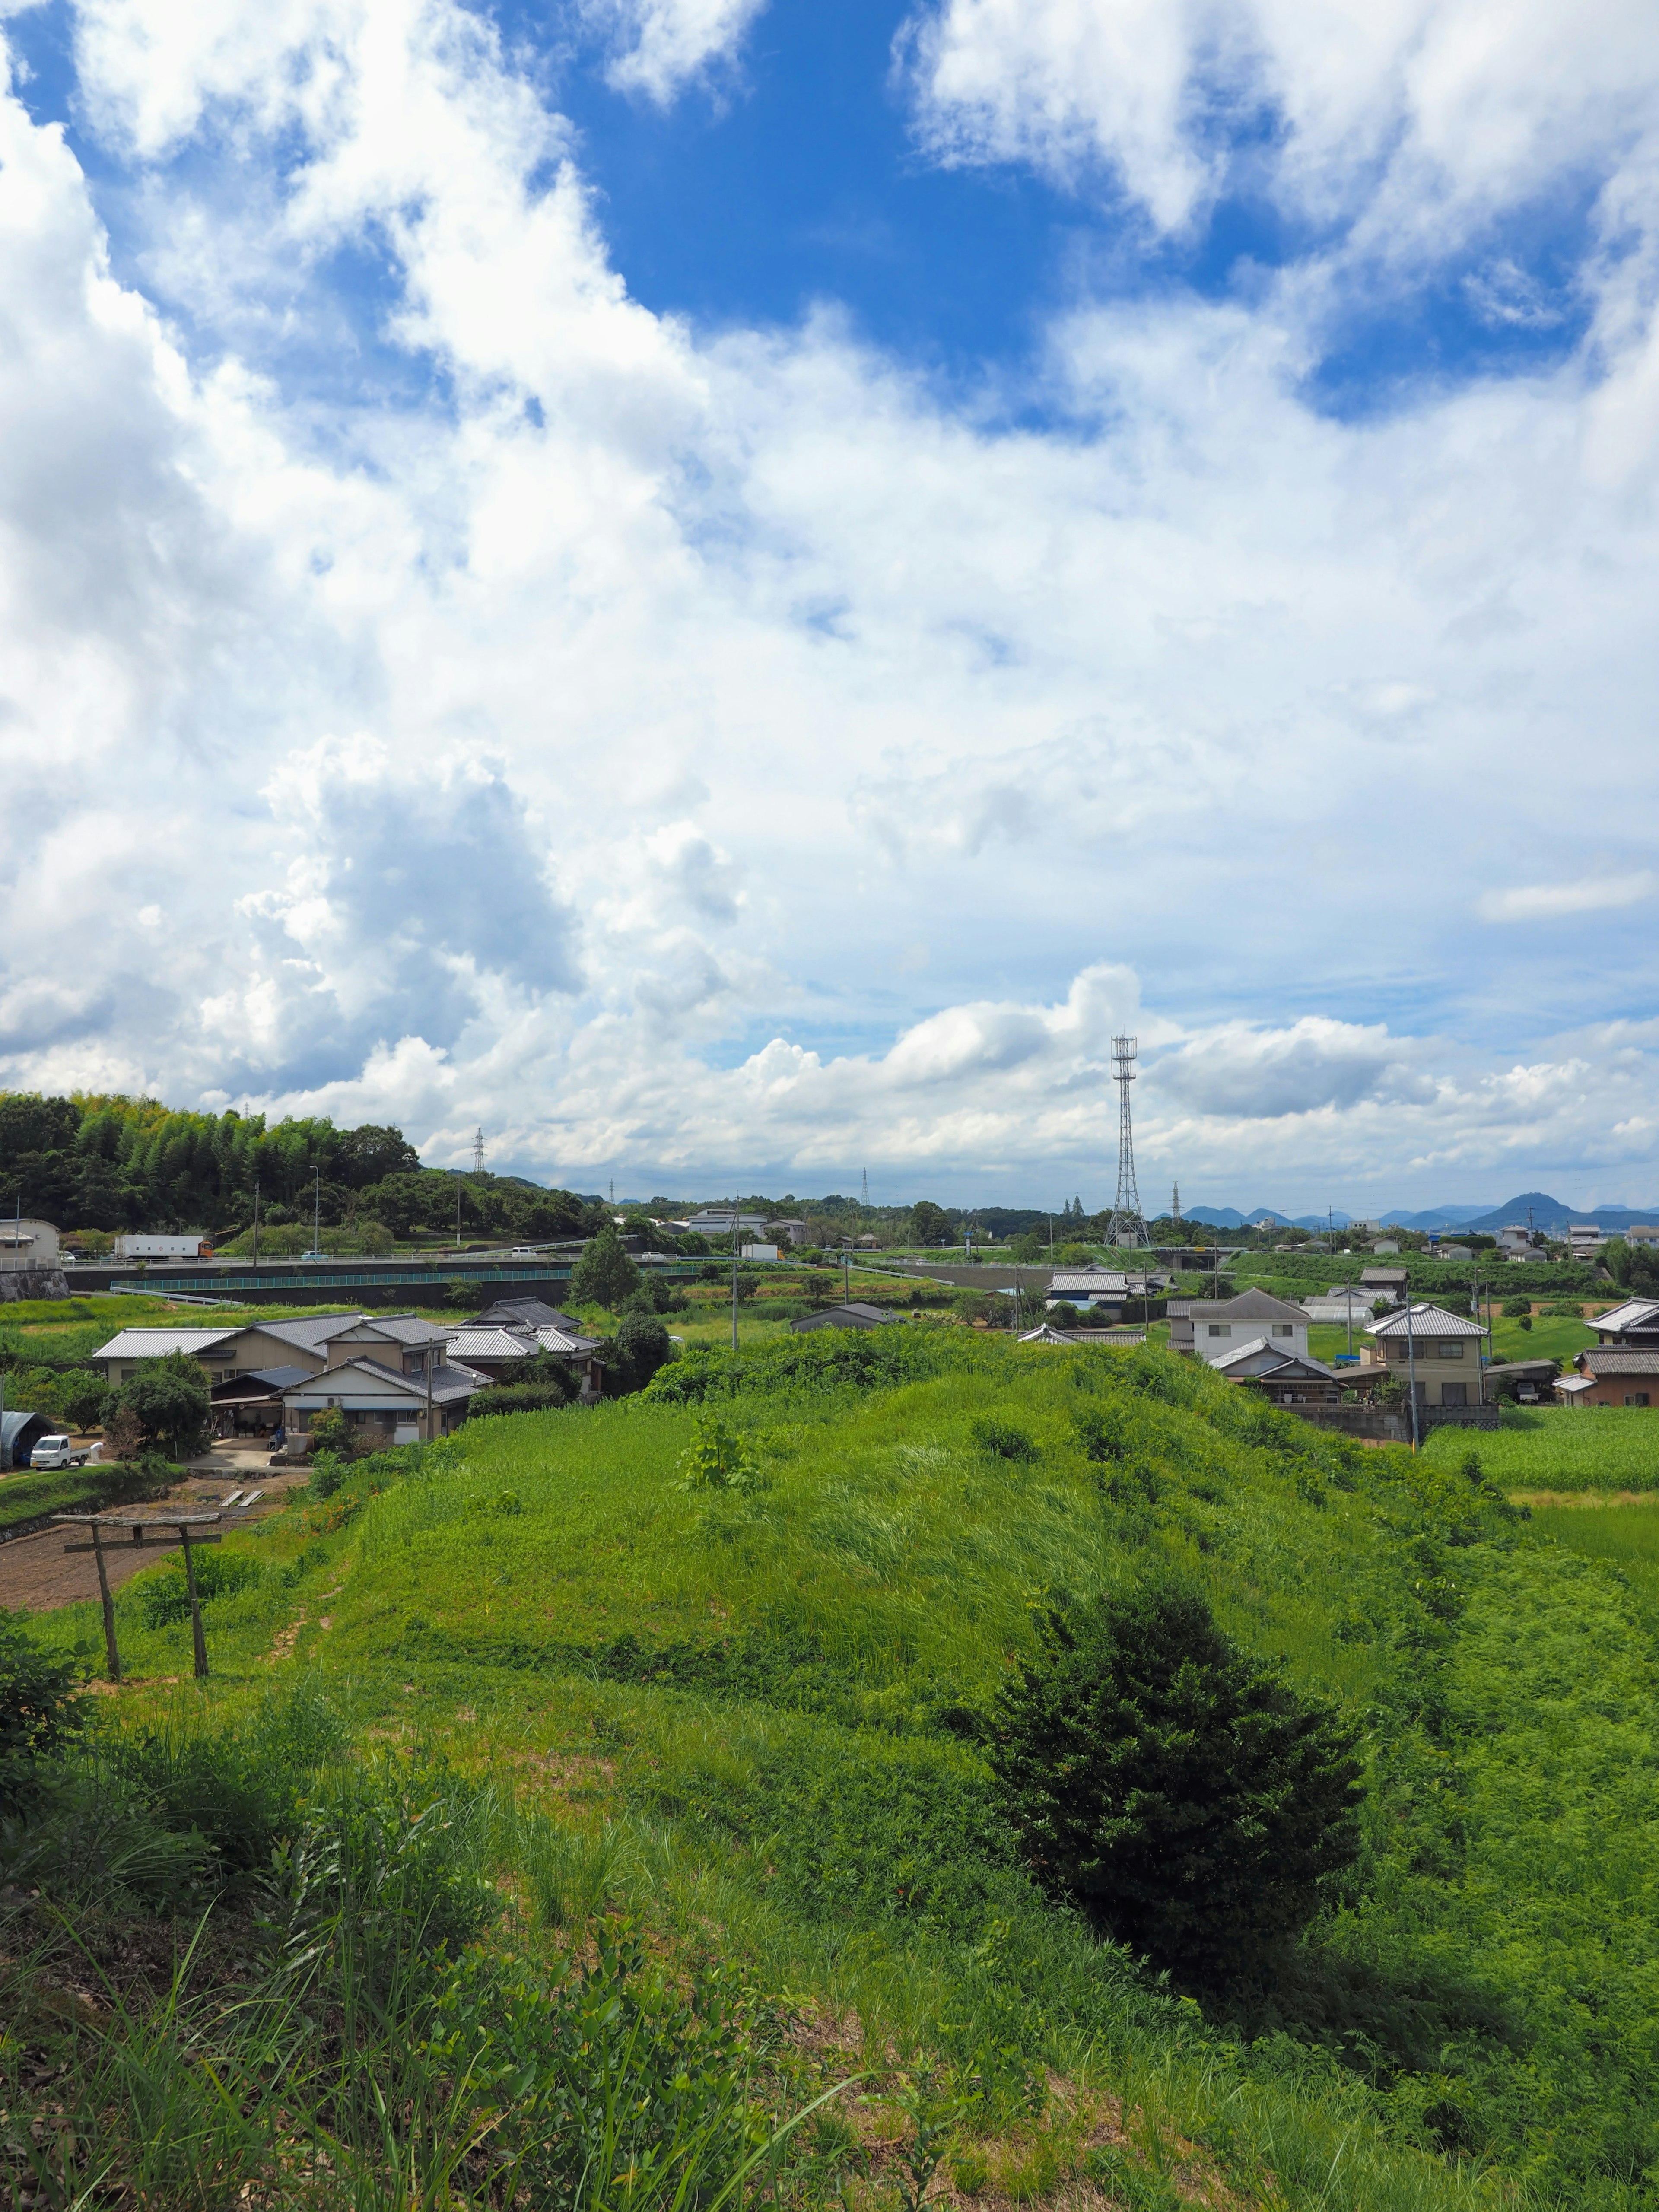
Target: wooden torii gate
161	1532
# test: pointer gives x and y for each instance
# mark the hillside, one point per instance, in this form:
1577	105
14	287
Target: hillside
754	1719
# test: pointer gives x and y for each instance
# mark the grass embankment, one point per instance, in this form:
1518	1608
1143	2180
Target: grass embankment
27	1500
754	1720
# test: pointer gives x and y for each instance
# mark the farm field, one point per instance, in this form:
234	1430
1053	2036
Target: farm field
749	1717
1554	1448
1623	1536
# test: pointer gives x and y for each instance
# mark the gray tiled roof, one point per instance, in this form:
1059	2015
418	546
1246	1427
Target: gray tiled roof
1424	1320
155	1343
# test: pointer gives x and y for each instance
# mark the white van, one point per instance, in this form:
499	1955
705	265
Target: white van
54	1451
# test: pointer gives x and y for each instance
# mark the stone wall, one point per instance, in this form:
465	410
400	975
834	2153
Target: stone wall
31	1283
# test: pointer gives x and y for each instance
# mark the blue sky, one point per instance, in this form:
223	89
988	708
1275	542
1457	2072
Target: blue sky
729	589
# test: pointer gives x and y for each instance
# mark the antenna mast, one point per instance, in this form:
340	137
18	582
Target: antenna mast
477	1150
1174	1204
1128	1224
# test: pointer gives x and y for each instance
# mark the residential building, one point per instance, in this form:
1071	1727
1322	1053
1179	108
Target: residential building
1443	1349
1287	1378
1384	1245
853	1315
25	1244
786	1233
1645	1233
1614	1375
1107	1289
525	1313
1517	1241
1634	1326
261	1376
498	1353
1383	1282
1584	1239
1342	1302
1210	1326
387	1407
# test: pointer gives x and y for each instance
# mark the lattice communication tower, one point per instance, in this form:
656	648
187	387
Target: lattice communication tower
477	1150
1128	1223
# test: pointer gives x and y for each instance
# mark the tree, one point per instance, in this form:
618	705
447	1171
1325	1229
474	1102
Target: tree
642	1347
604	1274
928	1224
1184	1796
170	1399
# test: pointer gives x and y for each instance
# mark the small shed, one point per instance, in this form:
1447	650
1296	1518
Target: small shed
20	1432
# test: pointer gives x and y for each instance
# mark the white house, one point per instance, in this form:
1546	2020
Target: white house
1211	1328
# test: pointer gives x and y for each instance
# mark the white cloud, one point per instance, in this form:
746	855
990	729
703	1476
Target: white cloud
1545	902
1432	114
663	44
595	769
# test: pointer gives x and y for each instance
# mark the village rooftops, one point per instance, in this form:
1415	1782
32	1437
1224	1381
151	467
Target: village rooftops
156	1343
1636	1317
853	1315
1424	1320
467	1344
1259	1355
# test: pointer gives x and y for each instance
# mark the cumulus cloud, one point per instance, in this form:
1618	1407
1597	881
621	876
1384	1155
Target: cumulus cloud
661	45
582	734
1430	113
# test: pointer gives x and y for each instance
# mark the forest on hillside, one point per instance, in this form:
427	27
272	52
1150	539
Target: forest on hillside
98	1164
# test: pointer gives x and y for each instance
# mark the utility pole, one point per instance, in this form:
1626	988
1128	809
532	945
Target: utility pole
736	1208
316	1209
1411	1361
256	1225
458	1214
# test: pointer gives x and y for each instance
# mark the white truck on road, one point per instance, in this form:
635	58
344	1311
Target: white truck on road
194	1247
56	1451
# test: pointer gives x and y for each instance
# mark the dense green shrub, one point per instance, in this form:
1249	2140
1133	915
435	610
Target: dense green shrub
1182	1796
1513	1308
643	1347
718	1458
40	1714
517	1398
164	1596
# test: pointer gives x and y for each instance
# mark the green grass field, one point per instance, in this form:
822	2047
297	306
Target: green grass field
1551	1448
752	1720
1626	1537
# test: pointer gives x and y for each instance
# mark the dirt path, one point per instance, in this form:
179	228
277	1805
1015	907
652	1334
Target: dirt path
36	1574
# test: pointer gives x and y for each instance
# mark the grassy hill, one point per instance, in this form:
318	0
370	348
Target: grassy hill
751	1723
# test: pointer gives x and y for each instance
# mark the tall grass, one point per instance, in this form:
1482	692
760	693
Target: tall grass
1563	1448
753	1722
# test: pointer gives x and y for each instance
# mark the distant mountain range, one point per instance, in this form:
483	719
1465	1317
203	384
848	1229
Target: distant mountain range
1547	1212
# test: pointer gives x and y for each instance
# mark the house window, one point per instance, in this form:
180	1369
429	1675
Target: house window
1284	1328
1453	1351
1454	1394
1639	1398
1220	1328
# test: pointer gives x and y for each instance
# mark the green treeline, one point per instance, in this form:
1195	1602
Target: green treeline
93	1162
